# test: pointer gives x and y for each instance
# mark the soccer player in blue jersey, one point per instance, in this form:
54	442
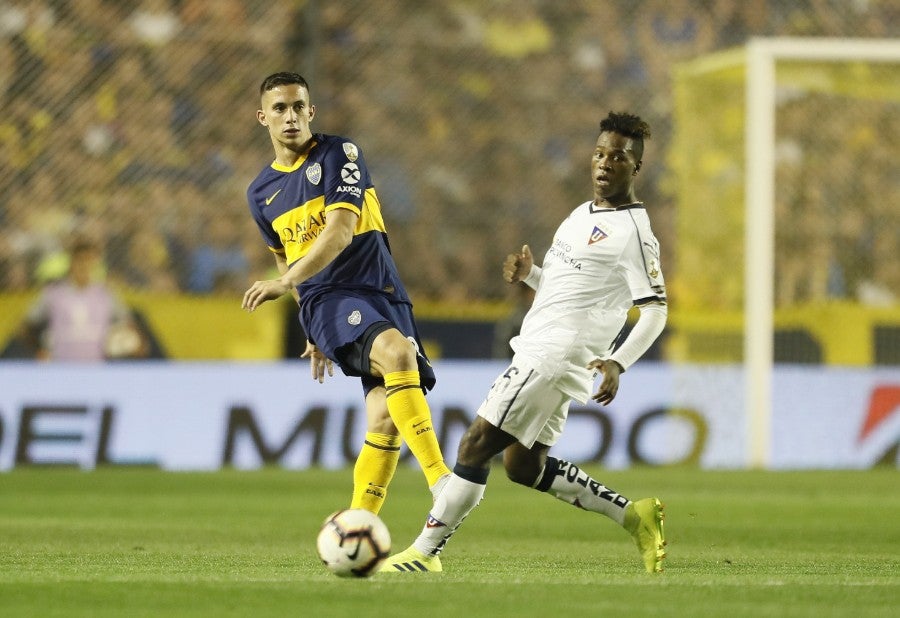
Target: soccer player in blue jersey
318	212
604	259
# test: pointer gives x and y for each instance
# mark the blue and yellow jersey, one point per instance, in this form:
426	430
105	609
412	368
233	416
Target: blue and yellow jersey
290	204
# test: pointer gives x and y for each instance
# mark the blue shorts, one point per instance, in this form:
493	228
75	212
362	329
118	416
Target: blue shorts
344	324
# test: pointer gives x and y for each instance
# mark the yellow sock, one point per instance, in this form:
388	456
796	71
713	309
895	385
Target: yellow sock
409	410
374	470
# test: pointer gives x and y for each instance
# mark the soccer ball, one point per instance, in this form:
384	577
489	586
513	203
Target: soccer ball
353	543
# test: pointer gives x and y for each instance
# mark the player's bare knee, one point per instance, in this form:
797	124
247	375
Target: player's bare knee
403	356
394	352
382	424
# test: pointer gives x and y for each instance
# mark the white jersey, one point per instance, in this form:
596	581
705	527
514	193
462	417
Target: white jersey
602	262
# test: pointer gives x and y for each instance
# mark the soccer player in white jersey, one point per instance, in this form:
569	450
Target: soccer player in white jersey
604	259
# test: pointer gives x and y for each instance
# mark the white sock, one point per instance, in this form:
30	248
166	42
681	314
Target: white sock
457	499
571	484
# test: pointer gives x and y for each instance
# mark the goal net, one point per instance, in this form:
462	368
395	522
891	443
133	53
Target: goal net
788	232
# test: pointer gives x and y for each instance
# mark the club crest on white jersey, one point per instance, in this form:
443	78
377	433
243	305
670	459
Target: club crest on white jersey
597	235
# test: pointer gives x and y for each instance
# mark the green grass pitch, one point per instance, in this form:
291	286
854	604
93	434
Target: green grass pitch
118	542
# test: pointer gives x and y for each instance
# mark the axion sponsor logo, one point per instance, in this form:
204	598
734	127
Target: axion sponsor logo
349	189
350	173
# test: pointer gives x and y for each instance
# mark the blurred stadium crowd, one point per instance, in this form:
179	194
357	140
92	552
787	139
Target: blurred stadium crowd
134	121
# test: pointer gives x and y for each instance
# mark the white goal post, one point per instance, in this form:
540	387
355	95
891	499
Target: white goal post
762	55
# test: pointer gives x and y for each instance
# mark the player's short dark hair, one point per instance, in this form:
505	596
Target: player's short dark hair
628	125
283	78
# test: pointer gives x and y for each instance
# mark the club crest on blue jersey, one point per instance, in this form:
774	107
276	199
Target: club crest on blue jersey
597	235
314	173
354	318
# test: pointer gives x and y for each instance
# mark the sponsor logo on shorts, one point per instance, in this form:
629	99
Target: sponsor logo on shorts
354	318
415	344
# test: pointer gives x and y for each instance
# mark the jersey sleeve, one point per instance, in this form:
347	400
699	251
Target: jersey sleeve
345	176
642	268
272	240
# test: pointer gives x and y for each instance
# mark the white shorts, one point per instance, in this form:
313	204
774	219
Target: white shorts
526	405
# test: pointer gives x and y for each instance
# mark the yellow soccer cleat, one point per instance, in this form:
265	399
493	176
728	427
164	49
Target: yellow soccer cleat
411	560
644	521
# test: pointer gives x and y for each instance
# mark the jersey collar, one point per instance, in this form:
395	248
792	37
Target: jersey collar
290	168
593	208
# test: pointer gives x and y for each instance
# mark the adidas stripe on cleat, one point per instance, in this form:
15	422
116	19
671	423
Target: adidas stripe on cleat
410	567
644	521
411	560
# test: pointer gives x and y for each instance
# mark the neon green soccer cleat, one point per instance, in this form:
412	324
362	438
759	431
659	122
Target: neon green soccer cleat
644	521
411	560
